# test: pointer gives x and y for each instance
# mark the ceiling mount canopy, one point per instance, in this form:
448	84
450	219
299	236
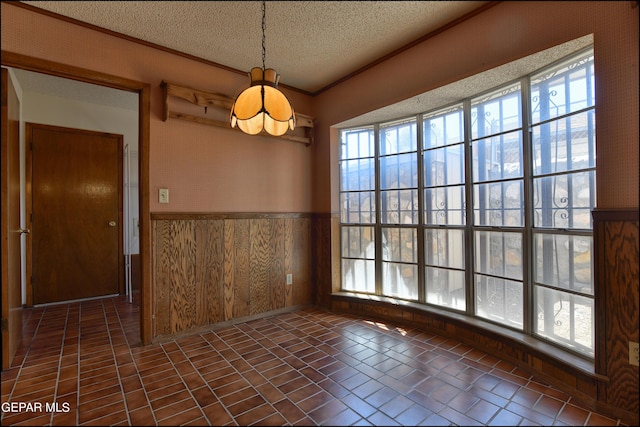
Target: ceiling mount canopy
262	107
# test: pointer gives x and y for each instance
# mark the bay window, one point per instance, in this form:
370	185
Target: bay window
482	207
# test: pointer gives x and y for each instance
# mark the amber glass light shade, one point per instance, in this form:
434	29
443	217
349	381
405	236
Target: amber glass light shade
262	107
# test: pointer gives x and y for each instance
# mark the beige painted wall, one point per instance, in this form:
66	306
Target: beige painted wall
209	169
504	33
206	169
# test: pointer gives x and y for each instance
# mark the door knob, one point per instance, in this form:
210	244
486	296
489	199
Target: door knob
112	223
23	230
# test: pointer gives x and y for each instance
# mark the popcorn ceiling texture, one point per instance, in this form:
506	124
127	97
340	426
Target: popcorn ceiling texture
310	43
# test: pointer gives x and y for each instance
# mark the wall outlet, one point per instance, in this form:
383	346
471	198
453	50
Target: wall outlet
289	279
634	358
163	195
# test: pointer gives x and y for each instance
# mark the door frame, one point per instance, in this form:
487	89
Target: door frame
10	247
143	89
28	128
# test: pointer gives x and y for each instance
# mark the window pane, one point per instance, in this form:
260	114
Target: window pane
358	207
499	300
400	171
444	166
565	201
444	248
399	207
565	318
358	242
445	205
564	261
496	158
565	145
400	280
358	275
443	127
496	112
399	244
357	143
445	287
358	255
358	174
499	204
398	137
498	254
565	88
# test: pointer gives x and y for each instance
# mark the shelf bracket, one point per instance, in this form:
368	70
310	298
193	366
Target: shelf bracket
220	102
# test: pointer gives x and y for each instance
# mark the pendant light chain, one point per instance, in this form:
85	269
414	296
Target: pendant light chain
262	108
264	26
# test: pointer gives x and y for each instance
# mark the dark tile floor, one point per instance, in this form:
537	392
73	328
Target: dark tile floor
82	364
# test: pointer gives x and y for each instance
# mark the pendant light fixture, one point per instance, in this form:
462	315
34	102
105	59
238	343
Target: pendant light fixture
262	107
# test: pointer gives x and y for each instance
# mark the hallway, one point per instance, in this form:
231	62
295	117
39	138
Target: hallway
306	367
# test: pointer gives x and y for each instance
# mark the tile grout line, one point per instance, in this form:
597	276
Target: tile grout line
254	340
295	404
187	387
242	376
144	389
115	357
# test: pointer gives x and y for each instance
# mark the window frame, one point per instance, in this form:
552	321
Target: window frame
469	228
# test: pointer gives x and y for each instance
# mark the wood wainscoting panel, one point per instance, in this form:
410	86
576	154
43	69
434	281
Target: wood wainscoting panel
324	257
299	241
212	268
183	282
288	259
209	271
277	275
261	261
617	242
241	265
162	277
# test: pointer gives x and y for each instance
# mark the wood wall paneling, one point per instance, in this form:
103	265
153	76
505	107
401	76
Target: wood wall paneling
214	268
182	268
617	239
261	257
228	292
241	273
300	258
323	257
162	277
288	259
209	271
277	275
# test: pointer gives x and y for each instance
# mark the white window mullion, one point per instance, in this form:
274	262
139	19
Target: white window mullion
469	232
527	255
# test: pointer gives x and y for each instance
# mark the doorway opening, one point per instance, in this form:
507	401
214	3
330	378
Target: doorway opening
135	171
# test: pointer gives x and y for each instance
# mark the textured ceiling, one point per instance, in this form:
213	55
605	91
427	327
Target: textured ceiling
311	44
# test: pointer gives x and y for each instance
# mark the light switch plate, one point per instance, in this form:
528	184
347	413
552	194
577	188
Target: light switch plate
163	195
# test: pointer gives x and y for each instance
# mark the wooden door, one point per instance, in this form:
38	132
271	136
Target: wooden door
10	179
76	196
